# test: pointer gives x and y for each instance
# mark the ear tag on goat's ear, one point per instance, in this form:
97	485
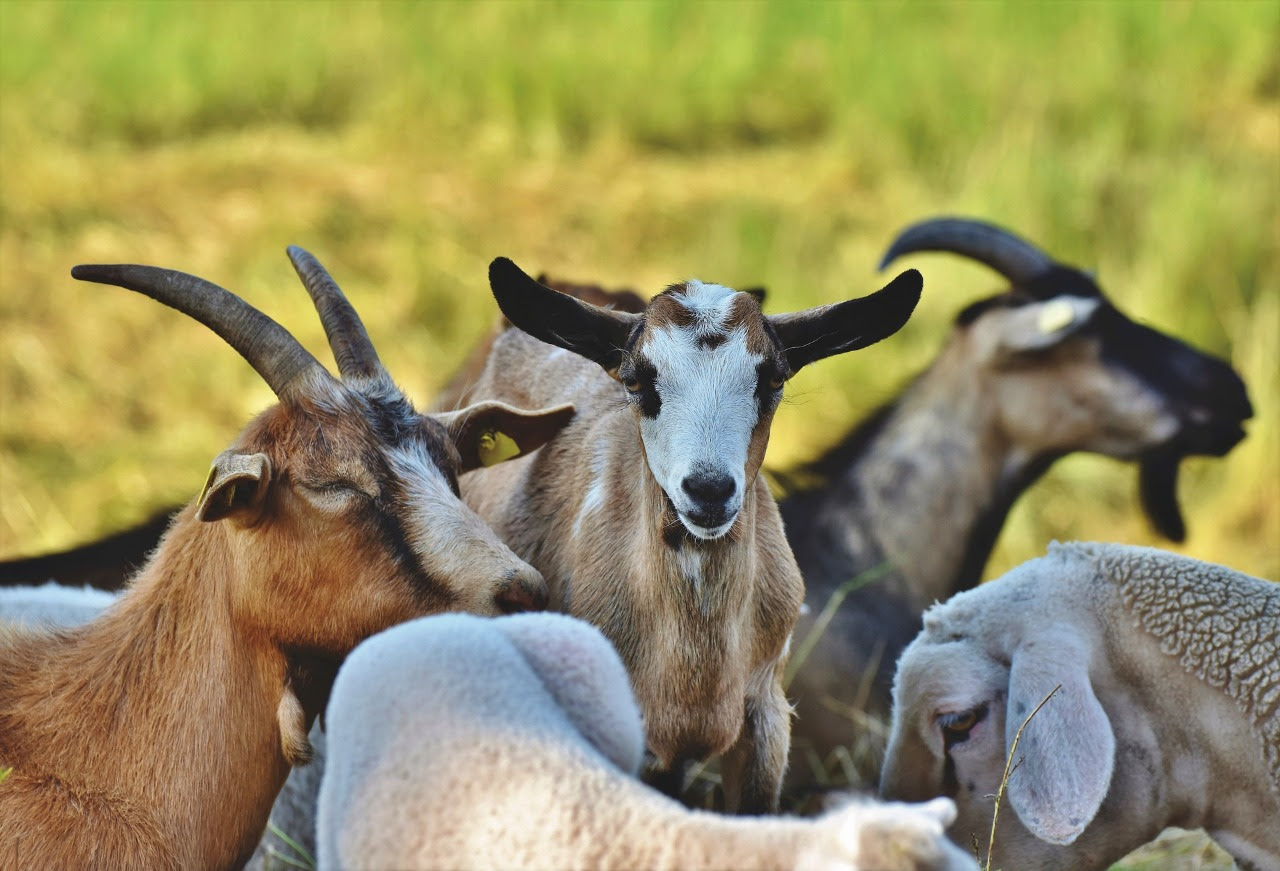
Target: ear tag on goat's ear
495	446
1055	316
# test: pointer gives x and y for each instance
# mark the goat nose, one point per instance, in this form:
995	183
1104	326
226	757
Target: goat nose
713	488
522	592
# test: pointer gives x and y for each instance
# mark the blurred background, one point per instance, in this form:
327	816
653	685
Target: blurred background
633	144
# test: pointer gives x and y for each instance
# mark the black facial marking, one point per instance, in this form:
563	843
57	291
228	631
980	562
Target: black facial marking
711	341
642	373
767	395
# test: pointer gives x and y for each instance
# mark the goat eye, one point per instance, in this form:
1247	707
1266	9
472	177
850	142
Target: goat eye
633	385
777	381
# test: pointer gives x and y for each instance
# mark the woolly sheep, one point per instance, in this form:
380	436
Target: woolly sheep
1168	715
52	605
460	742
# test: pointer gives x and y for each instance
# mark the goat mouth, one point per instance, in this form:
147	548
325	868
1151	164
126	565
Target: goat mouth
706	531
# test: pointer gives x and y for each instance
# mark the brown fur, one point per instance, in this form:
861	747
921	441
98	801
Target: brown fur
158	735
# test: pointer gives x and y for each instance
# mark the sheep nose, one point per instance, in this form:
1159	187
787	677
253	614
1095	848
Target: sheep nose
713	488
521	591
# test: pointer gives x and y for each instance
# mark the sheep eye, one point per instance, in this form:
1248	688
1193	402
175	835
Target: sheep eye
958	722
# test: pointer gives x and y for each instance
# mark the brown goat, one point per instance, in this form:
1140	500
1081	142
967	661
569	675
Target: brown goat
158	735
647	514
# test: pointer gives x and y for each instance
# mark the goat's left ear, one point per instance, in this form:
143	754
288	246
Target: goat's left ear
237	484
847	326
490	432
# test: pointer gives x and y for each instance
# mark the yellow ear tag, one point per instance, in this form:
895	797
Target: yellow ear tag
497	446
208	482
1054	316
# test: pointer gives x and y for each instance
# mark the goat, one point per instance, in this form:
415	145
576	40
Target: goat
920	490
444	731
1169	675
158	734
646	514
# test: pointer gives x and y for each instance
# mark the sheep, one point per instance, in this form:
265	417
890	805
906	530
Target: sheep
1168	712
646	514
1047	368
158	734
52	604
459	742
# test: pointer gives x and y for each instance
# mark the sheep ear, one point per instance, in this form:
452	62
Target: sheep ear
847	326
1067	752
237	485
489	432
1039	326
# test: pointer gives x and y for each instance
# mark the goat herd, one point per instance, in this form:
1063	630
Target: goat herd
600	456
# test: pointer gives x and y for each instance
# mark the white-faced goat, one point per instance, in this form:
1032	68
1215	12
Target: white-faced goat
922	488
157	735
1168	712
647	514
457	742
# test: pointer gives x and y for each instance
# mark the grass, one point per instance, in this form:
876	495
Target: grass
776	143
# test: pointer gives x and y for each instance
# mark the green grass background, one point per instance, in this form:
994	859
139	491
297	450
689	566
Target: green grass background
775	143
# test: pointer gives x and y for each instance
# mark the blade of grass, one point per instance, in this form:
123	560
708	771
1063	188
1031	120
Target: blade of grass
306	860
857	582
1009	768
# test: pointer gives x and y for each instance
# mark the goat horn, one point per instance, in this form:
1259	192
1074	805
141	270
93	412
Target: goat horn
268	347
1012	256
348	338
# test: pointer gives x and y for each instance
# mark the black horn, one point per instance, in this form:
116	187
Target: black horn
1012	256
268	347
348	338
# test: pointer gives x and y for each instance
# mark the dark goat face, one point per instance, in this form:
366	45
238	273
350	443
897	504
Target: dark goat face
1123	372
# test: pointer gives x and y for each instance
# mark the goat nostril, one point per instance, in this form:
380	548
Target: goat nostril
708	488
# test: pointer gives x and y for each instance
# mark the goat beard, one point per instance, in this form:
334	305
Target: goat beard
1158	488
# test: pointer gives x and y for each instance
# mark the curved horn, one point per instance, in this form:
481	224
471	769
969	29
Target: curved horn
347	336
1012	256
268	347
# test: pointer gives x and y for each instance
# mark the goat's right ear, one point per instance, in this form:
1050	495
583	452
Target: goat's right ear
1068	749
1038	326
556	318
489	432
237	484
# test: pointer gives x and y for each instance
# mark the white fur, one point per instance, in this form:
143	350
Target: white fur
52	604
459	742
708	412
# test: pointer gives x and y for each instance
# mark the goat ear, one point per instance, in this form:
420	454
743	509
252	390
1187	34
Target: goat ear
237	484
847	326
1038	326
596	333
758	292
490	432
1066	754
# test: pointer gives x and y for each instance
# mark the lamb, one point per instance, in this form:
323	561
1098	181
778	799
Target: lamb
158	734
1029	376
52	604
647	515
1168	713
457	742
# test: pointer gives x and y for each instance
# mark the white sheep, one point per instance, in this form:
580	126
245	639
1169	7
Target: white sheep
52	604
1168	712
460	742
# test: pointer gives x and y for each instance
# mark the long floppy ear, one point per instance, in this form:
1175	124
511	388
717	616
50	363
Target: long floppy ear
1068	750
556	318
489	432
237	484
847	326
1038	326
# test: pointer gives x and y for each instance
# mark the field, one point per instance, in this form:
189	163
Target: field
763	143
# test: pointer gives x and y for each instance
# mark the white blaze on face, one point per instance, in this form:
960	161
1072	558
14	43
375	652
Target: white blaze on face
708	408
450	540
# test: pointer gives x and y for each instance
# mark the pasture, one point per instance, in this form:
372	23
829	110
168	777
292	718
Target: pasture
764	143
